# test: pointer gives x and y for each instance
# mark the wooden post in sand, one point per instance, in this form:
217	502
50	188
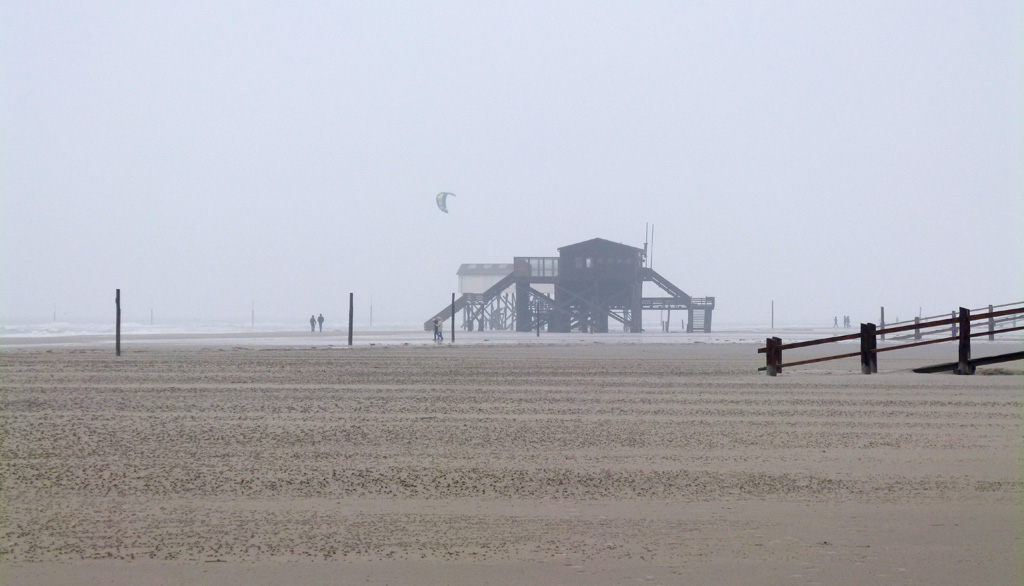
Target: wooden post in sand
882	325
778	354
350	313
117	336
963	365
453	318
773	351
991	324
868	358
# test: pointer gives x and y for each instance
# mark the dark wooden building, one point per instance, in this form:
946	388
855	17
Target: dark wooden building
596	283
598	279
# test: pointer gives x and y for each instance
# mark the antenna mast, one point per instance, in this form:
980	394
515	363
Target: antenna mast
650	259
647	231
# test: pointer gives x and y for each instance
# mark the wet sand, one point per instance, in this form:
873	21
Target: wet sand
513	464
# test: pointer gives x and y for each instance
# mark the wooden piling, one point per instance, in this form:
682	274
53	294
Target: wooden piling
351	313
868	344
453	318
964	356
773	355
882	324
917	330
991	324
952	327
538	318
117	336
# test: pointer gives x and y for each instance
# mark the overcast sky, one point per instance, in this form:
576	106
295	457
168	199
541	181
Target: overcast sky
206	156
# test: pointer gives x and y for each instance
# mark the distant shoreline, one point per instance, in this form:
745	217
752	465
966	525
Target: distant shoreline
338	338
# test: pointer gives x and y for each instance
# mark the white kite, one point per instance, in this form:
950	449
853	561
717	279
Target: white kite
442	201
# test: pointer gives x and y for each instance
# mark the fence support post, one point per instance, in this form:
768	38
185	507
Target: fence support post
778	354
882	326
773	355
964	359
991	324
917	330
952	315
868	358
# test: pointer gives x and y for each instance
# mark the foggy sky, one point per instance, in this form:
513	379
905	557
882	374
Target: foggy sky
206	157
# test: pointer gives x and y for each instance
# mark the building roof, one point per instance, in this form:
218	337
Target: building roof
599	244
475	269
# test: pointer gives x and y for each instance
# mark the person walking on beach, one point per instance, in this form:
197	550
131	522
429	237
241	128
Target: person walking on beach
438	335
320	320
312	323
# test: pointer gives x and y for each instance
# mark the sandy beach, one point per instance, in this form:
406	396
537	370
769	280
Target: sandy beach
586	463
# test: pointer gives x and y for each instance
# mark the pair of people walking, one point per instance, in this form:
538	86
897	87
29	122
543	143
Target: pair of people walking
314	321
438	332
